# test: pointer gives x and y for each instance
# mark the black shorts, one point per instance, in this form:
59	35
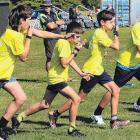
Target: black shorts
49	47
57	87
121	76
102	79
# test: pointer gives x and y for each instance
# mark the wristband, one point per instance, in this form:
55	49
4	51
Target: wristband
116	33
29	37
75	51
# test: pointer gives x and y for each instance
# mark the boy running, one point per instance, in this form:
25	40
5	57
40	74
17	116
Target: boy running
63	57
127	67
13	46
94	66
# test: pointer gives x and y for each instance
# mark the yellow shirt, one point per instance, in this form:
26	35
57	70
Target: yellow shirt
129	55
99	42
57	73
11	45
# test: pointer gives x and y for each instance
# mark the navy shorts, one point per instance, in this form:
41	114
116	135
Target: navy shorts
3	82
121	76
102	79
55	88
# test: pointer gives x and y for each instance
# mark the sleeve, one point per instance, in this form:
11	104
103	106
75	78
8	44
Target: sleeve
42	18
18	45
63	49
104	39
136	36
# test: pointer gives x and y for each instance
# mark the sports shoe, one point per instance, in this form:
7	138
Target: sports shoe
76	133
15	124
3	135
52	120
136	107
118	123
98	119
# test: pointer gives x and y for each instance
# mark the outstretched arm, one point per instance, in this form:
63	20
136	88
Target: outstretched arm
46	34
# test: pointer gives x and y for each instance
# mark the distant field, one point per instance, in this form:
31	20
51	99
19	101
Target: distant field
32	77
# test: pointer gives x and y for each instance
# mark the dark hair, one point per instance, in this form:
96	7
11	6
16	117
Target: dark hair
74	27
19	12
105	15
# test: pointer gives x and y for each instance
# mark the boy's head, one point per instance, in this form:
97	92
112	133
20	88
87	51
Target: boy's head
77	29
106	19
19	18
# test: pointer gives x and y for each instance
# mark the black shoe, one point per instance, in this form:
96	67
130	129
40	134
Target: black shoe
76	133
3	134
15	124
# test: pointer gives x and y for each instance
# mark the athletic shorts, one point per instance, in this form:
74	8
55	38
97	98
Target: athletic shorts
3	82
102	79
55	88
121	76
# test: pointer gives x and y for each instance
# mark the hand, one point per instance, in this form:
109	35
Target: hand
86	76
69	35
117	28
30	31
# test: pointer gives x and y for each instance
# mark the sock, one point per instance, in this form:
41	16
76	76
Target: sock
98	110
56	114
72	126
138	101
21	116
3	122
113	118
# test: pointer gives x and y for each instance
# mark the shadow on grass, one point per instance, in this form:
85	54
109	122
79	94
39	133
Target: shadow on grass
88	121
132	110
43	123
80	118
32	80
125	103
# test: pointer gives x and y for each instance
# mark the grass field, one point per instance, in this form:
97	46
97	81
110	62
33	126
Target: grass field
32	77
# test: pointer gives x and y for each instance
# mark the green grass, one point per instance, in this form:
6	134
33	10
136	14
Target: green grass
32	77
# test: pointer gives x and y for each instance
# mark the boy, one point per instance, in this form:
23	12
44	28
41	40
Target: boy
127	67
94	66
13	46
63	57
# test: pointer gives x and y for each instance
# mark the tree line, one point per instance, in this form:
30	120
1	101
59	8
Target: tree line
60	3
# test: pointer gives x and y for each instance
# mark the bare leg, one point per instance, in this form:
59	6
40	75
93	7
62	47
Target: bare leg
105	100
19	98
67	104
114	91
75	100
41	105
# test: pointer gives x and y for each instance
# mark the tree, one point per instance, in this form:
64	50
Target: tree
91	3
